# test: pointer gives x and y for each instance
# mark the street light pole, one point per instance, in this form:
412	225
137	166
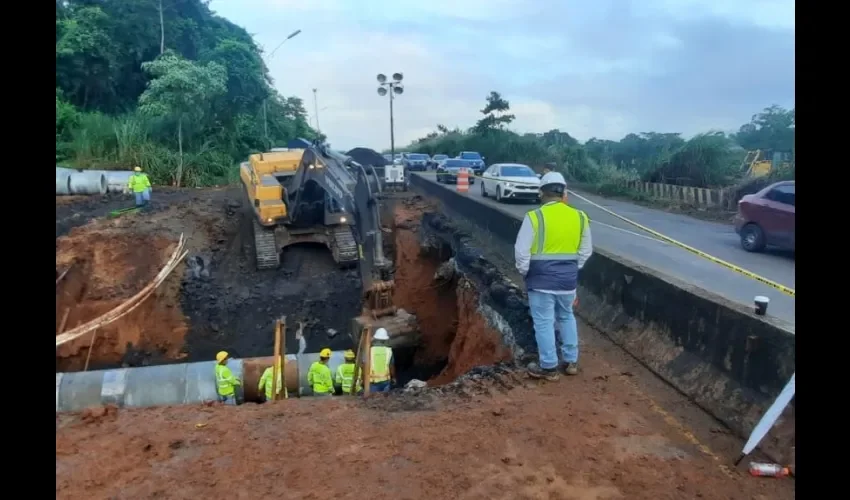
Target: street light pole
266	100
391	87
316	111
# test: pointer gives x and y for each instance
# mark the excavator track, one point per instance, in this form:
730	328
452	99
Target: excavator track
343	246
265	248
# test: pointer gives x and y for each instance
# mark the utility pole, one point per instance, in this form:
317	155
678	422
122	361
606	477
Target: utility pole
266	100
316	110
395	87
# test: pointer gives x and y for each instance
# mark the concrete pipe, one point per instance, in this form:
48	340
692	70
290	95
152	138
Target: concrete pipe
184	383
116	180
63	181
88	182
66	170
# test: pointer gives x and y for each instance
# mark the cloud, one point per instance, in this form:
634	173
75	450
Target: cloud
600	69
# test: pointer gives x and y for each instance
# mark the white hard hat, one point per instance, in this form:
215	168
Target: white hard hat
553	178
381	334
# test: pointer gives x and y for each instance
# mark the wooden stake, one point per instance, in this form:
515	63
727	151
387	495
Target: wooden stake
91	346
64	320
63	274
276	362
367	366
283	356
358	357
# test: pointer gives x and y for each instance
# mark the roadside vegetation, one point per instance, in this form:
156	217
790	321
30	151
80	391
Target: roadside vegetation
168	86
712	159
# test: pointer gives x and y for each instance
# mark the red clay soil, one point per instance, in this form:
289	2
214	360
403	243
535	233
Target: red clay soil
593	436
474	344
107	267
452	329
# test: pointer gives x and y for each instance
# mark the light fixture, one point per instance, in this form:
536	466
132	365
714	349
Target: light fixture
382	91
398	77
382	78
398	89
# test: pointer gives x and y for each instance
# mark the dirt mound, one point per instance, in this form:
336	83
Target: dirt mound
105	267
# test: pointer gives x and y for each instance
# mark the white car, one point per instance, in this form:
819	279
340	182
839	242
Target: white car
510	181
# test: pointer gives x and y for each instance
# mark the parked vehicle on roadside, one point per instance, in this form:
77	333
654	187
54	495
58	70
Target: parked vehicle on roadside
448	169
415	161
510	181
476	159
767	218
436	159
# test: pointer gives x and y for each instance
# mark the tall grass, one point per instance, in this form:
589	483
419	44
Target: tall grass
99	141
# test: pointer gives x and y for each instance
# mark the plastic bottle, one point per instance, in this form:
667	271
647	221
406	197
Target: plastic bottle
768	470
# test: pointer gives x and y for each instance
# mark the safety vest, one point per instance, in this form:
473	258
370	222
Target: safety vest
557	229
319	378
225	382
381	357
266	382
345	376
139	182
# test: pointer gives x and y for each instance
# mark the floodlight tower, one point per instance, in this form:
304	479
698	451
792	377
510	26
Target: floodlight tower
395	87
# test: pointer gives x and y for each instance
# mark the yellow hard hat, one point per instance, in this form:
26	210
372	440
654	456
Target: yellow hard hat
349	354
137	169
325	353
221	356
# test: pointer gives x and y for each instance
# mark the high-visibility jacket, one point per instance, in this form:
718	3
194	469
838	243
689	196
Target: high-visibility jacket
381	357
266	382
557	228
345	376
319	378
139	182
225	382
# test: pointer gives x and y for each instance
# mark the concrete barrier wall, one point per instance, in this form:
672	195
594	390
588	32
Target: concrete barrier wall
726	359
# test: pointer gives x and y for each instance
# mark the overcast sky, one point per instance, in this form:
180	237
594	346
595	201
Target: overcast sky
600	68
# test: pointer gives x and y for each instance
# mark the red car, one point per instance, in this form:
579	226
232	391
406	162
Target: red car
767	218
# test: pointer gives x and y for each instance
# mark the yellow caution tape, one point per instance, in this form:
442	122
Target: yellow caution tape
695	251
740	270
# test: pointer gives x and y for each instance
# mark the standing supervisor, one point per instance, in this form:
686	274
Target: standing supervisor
140	186
552	246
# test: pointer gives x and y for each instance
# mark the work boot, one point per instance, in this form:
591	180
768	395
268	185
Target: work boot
534	371
570	368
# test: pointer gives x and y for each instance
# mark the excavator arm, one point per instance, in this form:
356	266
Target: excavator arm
357	193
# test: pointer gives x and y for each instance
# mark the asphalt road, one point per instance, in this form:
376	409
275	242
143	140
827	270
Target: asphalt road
719	240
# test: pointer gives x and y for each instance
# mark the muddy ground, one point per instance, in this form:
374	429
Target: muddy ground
614	431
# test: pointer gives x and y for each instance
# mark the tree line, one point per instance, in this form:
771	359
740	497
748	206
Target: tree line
710	159
167	85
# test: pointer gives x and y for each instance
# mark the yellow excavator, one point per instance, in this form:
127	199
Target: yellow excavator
759	163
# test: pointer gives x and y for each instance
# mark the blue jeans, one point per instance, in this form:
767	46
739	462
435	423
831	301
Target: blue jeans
143	198
228	400
546	309
380	386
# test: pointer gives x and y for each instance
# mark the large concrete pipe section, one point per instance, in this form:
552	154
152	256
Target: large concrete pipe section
116	180
63	181
88	182
183	383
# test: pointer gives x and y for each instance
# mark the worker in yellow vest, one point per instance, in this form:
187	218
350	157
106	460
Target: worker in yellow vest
552	245
265	385
225	382
140	186
319	376
381	360
345	374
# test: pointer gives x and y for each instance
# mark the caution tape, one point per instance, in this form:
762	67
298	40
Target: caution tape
740	270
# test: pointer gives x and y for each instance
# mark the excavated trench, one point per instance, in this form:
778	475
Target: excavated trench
215	300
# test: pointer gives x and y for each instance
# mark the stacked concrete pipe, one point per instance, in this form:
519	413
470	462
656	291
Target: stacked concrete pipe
175	384
87	182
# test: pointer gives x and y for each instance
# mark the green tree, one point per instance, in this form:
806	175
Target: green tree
182	90
496	113
772	129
